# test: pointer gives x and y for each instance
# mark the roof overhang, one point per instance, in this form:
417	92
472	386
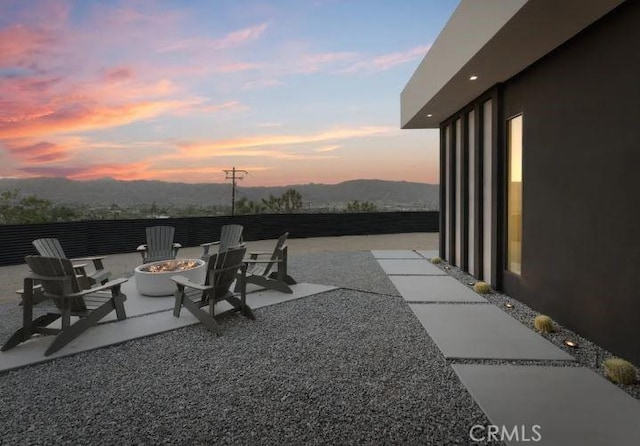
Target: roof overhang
493	40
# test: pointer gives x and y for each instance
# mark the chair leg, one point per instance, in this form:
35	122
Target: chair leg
69	334
118	302
25	333
179	295
202	316
241	307
272	284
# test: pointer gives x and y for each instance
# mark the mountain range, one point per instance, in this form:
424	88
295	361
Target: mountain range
385	194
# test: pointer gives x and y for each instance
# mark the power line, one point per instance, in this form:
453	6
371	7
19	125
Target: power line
234	175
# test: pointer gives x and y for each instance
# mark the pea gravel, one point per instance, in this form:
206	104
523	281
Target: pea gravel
341	367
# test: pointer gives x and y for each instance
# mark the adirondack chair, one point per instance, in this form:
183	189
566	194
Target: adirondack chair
222	269
230	236
59	283
51	247
271	273
160	245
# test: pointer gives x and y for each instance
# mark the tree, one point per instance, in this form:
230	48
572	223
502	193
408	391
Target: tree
292	200
245	206
30	209
361	206
273	204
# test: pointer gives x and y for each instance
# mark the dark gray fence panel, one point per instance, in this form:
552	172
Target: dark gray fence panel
100	237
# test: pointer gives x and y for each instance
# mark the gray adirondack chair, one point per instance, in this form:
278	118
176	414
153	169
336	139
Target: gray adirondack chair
51	247
222	270
230	236
59	283
160	244
272	272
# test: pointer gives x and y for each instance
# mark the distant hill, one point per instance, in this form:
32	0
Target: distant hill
393	194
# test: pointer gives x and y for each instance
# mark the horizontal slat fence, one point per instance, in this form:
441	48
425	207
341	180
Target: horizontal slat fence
101	237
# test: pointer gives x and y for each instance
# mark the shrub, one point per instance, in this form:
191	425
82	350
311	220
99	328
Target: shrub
619	371
436	260
543	324
482	288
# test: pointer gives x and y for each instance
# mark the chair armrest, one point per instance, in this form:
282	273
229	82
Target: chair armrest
254	261
260	253
106	286
210	244
88	259
181	280
141	248
79	265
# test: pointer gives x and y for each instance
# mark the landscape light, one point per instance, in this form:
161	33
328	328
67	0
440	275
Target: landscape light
473	78
570	343
470	283
429	115
508	306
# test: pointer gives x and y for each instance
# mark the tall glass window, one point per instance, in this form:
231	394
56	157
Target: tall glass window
514	195
471	214
487	197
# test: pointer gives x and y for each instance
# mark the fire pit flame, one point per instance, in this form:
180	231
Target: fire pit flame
170	265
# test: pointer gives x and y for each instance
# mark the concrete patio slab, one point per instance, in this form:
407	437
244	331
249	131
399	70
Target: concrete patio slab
428	254
395	254
483	332
410	267
434	289
572	405
138	325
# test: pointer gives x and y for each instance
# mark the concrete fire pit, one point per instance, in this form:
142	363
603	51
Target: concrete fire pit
154	279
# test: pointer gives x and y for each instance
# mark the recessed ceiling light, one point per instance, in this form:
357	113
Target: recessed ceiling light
429	115
473	78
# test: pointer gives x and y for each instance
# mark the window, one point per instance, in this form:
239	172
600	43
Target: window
514	195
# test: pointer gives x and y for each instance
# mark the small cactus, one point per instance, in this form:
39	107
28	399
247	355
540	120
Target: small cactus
436	260
482	288
619	371
543	324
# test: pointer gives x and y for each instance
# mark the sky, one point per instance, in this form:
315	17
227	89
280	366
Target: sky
293	91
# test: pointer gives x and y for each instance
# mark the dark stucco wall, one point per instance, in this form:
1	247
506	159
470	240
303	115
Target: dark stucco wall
581	216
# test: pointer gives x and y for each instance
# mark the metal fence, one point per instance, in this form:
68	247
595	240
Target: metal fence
101	237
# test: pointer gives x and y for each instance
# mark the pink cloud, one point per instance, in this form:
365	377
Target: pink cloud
386	61
118	74
230	40
21	46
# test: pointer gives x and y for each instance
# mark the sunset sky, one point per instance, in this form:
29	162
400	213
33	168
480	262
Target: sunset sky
294	91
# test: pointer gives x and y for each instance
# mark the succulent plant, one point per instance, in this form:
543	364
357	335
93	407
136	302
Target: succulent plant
436	260
543	324
619	371
482	288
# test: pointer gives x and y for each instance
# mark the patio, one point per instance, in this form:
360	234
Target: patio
353	364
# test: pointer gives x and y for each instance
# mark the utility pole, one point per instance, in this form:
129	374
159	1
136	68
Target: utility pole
234	174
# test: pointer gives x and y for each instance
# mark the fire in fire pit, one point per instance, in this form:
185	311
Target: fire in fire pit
154	279
170	265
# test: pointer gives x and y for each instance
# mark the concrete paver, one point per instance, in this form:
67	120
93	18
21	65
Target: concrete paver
434	289
483	332
409	267
571	405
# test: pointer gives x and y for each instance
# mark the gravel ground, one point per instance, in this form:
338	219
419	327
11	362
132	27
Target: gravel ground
342	367
587	354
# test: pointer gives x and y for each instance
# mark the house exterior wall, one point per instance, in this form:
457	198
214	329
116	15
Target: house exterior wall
581	215
581	186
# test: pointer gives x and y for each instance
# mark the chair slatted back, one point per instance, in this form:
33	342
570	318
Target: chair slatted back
230	237
160	242
49	247
280	245
57	268
222	269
